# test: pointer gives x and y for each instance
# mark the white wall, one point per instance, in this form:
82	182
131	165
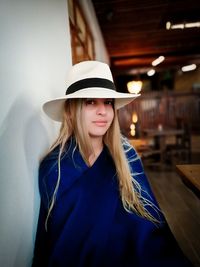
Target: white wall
34	56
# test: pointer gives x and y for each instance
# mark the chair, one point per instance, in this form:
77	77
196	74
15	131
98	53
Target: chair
180	152
149	154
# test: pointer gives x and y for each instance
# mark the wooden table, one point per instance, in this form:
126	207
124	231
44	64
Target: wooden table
190	174
160	138
163	132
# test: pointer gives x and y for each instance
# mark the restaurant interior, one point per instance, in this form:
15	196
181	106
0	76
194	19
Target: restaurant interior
154	50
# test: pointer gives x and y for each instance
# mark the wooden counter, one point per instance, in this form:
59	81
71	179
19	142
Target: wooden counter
190	174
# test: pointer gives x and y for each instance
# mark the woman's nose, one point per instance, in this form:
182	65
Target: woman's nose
101	109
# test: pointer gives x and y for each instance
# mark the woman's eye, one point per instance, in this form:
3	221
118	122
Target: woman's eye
89	102
109	102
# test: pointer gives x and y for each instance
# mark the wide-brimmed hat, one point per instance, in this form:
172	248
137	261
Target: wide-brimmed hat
88	79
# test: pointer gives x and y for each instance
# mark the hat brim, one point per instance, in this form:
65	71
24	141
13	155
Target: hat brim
54	108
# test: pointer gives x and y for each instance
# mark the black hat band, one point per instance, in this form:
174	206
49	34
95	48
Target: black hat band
90	82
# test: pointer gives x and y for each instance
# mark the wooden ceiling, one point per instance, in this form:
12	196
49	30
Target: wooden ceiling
135	33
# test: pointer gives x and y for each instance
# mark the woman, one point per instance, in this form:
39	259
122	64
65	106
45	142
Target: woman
97	209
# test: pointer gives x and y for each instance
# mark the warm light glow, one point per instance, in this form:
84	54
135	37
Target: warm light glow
170	26
192	25
189	67
158	60
132	126
151	72
133	132
134	118
134	87
177	26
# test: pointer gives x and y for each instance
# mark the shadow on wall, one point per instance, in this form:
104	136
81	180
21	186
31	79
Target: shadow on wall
23	139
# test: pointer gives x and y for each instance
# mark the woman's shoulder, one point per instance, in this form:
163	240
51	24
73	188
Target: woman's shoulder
135	163
51	158
133	158
129	150
139	177
48	162
51	155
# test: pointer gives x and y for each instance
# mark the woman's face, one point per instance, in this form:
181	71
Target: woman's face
97	115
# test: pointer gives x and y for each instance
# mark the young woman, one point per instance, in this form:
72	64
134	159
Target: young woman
97	208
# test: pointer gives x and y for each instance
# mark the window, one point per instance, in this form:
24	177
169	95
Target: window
82	42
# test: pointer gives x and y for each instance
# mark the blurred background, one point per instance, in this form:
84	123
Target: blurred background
153	48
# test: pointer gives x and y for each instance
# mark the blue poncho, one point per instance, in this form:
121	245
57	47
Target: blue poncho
88	226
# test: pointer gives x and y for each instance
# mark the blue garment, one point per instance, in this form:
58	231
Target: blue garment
89	227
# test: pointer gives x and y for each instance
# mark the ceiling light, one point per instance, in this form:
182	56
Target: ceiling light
192	25
151	72
177	26
170	26
134	87
189	67
158	61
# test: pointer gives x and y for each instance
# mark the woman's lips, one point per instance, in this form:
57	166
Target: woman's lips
100	123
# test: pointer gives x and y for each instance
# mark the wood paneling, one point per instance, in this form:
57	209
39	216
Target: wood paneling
162	108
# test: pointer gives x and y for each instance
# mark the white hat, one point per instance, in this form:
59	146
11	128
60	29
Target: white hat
88	79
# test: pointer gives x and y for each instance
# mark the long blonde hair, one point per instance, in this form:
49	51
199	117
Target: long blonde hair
129	188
